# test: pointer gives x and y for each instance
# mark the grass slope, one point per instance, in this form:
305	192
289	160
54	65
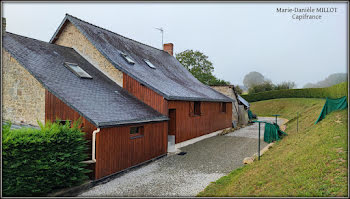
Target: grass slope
310	162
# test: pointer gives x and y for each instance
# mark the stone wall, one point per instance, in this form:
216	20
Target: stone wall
228	91
23	97
243	115
72	37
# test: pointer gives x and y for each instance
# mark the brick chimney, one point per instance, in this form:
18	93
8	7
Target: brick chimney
169	47
3	25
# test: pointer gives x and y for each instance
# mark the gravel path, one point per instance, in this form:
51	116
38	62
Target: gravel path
252	131
187	175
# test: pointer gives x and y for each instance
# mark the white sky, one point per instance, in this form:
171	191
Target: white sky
237	37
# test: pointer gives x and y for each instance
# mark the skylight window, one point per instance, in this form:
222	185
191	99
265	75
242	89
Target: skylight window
149	63
127	58
77	70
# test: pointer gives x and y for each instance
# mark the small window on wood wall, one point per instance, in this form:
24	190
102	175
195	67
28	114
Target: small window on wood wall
223	107
136	131
195	109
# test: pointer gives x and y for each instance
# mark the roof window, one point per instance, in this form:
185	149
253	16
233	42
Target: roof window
77	70
149	63
127	58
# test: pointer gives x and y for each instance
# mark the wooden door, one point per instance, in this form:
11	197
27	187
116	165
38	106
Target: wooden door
172	122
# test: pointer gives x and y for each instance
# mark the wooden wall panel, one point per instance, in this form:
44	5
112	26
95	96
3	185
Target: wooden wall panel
55	108
210	120
116	150
145	94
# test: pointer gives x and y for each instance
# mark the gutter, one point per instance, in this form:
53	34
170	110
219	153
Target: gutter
93	159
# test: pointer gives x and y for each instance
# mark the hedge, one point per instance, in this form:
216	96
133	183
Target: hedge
38	161
336	91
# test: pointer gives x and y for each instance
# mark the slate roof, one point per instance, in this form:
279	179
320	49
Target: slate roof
99	100
243	101
170	79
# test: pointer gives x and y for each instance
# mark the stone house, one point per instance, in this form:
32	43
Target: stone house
154	76
130	95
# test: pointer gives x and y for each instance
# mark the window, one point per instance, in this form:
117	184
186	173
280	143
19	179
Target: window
77	70
149	64
127	58
223	107
197	108
136	131
64	122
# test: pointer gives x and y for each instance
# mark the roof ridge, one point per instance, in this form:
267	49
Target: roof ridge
38	40
114	32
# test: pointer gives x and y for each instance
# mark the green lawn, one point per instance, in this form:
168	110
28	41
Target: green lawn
311	162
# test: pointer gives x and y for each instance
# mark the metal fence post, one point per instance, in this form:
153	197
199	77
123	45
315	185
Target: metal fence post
259	143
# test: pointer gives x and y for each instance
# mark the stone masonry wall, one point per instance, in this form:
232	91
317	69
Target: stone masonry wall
72	37
23	97
227	90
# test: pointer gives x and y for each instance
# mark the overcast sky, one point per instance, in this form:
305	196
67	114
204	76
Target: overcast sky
237	37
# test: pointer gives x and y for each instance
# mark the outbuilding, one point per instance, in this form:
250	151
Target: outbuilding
123	131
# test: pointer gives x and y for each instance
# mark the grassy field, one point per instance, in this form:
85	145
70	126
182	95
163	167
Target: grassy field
310	162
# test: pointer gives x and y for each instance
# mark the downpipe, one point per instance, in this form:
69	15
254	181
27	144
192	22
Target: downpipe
93	159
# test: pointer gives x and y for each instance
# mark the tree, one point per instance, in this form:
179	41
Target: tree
331	80
200	67
285	85
238	90
253	78
262	87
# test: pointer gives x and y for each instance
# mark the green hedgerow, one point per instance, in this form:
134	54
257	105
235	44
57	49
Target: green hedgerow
336	91
38	161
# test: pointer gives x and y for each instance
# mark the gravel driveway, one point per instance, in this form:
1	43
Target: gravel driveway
186	175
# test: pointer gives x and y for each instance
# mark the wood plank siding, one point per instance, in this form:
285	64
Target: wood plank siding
116	149
145	94
186	126
189	126
55	108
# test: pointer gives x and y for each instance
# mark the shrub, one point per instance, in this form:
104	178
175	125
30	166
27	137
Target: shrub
257	88
284	85
335	91
35	162
238	90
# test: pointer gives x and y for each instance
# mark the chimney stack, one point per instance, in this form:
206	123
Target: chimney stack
169	47
3	25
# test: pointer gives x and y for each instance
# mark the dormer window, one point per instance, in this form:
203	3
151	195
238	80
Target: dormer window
74	68
149	64
127	58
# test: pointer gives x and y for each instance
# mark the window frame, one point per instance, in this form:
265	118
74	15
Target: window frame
85	74
197	109
139	134
223	107
149	63
127	58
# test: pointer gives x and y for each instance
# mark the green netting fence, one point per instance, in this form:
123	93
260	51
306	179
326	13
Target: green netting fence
332	105
273	132
250	114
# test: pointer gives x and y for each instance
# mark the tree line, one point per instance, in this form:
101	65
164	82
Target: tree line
254	82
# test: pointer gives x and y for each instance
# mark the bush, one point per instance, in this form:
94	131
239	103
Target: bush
238	90
333	92
284	85
35	162
257	88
